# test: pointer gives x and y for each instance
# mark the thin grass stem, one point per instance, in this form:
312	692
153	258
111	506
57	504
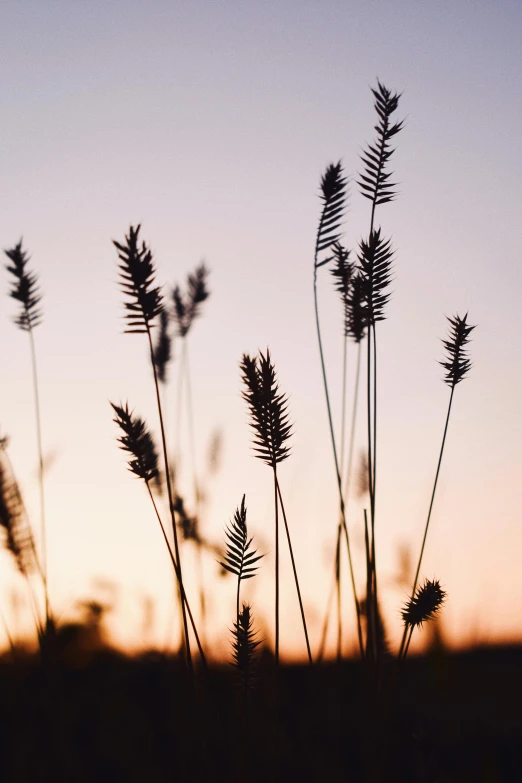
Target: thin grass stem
176	569
171	506
336	461
276	505
415	581
43	532
294	568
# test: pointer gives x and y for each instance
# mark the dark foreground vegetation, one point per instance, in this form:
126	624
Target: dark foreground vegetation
108	717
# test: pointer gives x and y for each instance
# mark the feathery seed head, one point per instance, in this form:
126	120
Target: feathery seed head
13	520
239	558
333	194
244	645
138	442
24	288
163	347
355	326
457	362
375	264
375	181
137	274
187	308
268	408
425	604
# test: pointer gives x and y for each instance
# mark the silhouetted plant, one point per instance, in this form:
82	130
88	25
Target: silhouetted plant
19	539
163	348
186	307
25	289
244	645
424	605
374	263
143	463
268	409
333	195
144	304
457	364
239	558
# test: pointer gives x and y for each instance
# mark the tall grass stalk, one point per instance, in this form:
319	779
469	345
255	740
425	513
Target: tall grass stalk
375	263
268	409
333	187
138	276
186	308
457	364
25	290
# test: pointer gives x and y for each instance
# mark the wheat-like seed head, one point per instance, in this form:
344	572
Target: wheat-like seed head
163	347
244	645
375	264
333	195
375	181
138	442
268	408
137	274
457	363
239	558
13	520
24	288
187	308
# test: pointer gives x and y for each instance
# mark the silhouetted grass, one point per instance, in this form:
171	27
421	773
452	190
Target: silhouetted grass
90	713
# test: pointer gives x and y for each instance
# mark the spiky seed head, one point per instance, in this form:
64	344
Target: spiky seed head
375	181
457	362
188	307
138	442
424	605
355	327
24	288
163	347
244	645
333	194
239	558
375	265
137	272
268	408
13	520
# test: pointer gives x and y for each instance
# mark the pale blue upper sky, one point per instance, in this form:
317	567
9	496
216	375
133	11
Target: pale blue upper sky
211	123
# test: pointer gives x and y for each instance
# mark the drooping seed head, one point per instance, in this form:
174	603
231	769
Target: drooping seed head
138	442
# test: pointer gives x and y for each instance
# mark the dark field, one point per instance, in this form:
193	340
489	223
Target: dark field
107	717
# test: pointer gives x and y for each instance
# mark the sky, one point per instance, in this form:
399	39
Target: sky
211	123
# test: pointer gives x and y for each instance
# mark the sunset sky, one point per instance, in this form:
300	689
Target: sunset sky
210	123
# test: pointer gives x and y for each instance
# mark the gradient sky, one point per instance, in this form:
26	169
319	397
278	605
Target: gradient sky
211	124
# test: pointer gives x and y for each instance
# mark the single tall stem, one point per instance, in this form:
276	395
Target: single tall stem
293	567
336	461
338	547
171	506
43	532
374	561
415	581
274	467
176	569
192	441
